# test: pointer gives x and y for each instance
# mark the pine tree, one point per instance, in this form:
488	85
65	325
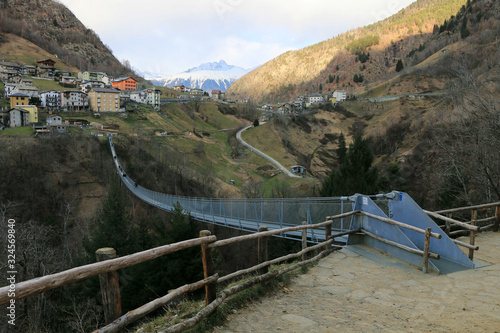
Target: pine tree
112	227
399	66
355	174
342	149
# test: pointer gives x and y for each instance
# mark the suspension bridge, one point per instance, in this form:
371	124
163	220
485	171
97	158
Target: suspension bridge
250	214
391	222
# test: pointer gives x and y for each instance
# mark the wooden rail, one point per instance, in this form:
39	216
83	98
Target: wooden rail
206	241
469	208
471	227
48	282
403	247
400	224
452	221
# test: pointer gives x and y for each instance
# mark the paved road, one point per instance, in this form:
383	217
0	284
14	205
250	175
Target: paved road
267	157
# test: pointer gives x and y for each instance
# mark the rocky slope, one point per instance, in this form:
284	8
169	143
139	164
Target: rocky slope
53	27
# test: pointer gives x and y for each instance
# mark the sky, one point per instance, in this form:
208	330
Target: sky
169	37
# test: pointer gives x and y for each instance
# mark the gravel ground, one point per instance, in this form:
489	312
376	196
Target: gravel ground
350	293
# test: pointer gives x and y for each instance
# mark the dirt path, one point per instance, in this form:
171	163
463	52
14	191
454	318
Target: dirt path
346	292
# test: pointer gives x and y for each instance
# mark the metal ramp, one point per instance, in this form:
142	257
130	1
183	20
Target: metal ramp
402	208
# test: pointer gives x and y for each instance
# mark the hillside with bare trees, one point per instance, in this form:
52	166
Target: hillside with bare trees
362	59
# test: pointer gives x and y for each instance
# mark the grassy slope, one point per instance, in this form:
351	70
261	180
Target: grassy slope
210	154
23	52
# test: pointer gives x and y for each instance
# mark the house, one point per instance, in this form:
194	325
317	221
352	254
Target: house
92	76
40	129
45	71
18	117
26	82
27	90
68	81
9	89
107	80
104	99
298	169
340	95
299	104
10	66
29	70
125	83
74	100
51	99
12	79
215	94
54	120
139	96
196	92
33	112
8	74
58	74
87	86
153	98
315	98
46	62
56	124
19	99
181	88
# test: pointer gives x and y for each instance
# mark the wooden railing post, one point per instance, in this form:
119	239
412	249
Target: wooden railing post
208	269
304	241
447	230
472	233
110	287
262	254
328	234
497	219
425	267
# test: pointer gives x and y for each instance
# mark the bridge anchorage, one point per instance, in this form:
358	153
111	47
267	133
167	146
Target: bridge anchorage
392	223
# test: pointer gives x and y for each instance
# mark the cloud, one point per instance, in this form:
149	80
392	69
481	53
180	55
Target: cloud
170	37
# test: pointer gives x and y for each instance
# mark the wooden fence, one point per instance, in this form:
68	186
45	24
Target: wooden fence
108	264
470	227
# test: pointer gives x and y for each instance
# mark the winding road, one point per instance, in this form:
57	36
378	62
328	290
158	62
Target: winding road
267	157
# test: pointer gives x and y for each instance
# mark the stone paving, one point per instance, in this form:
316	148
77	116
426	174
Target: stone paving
350	293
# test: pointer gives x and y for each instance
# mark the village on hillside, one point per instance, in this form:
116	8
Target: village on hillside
98	92
88	91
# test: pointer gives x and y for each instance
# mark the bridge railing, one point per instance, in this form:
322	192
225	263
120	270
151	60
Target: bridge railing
111	298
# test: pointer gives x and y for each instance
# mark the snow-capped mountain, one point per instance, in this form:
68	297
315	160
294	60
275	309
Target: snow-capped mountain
148	75
208	76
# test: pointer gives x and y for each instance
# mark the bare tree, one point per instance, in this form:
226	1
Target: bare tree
469	145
